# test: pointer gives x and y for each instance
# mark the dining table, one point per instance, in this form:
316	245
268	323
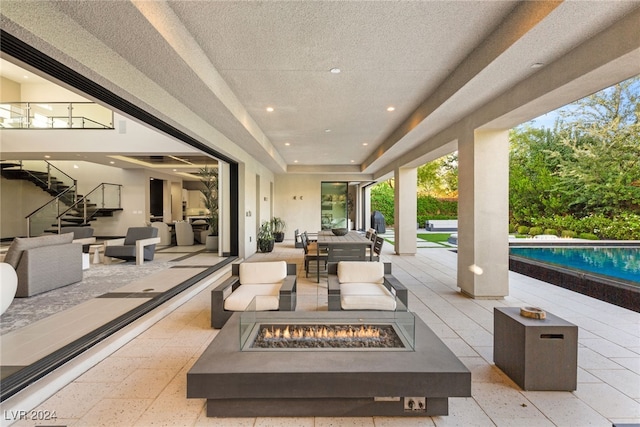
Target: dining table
327	240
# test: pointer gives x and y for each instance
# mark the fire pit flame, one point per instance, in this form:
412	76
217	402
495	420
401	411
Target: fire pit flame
323	333
309	336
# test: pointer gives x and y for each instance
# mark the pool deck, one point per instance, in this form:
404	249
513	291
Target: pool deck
144	382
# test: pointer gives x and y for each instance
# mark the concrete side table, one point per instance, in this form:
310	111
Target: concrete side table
95	259
538	354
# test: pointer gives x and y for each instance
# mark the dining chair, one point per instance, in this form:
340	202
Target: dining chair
377	248
312	256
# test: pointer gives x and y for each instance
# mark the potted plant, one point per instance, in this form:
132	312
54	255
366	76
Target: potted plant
265	237
209	179
277	227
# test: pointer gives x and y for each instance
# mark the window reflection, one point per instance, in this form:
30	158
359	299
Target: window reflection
333	201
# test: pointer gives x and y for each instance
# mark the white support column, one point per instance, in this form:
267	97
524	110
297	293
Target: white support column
406	204
483	207
224	216
367	208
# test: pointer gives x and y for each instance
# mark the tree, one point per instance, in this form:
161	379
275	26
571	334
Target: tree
533	163
602	135
589	163
439	178
209	179
382	199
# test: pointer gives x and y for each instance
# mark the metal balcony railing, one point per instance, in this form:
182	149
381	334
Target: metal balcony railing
55	115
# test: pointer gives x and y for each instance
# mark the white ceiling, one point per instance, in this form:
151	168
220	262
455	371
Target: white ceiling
434	61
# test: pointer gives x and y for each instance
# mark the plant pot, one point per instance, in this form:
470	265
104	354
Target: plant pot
211	243
279	236
266	245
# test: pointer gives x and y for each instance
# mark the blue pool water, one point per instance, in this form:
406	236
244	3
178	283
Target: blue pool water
618	263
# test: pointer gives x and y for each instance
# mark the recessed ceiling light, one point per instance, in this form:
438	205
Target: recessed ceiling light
391	108
76	166
335	70
365	143
287	144
175	170
26	77
327	130
47	156
112	162
269	109
295	161
537	65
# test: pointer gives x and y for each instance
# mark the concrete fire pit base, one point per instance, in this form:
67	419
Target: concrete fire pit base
408	382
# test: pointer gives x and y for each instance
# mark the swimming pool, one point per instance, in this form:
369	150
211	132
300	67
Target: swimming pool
619	263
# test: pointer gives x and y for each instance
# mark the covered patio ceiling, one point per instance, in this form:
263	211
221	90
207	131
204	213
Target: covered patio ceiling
407	70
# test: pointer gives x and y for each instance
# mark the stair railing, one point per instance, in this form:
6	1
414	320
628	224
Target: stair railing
43	166
43	217
109	197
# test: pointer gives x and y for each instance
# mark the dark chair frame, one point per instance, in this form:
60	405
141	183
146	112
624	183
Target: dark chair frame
309	257
219	315
297	238
346	252
390	282
377	248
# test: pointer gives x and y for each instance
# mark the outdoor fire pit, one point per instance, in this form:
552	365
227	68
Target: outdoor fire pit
327	336
328	364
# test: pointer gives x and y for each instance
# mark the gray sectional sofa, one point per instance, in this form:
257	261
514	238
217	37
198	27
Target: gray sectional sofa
44	263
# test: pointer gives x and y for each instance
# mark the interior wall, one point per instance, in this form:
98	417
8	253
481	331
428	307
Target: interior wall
39	92
18	198
9	90
176	202
297	200
135	183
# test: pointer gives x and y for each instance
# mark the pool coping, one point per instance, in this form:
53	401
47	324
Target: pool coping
614	292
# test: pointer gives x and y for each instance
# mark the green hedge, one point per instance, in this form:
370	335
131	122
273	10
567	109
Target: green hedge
624	227
535	231
382	199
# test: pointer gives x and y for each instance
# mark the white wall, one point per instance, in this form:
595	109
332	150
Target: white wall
303	212
18	198
9	90
135	193
39	92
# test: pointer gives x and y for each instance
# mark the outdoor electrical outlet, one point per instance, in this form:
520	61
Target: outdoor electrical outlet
415	404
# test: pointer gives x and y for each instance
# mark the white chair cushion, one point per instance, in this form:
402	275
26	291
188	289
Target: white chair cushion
366	296
263	272
360	272
240	299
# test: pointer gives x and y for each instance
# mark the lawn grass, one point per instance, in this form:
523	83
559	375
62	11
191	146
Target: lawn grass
435	237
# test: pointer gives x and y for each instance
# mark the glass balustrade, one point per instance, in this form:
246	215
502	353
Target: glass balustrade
66	207
55	115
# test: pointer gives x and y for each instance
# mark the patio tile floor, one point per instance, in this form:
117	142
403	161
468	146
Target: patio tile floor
144	382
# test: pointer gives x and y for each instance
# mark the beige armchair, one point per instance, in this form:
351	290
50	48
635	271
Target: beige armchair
184	234
365	285
164	233
272	284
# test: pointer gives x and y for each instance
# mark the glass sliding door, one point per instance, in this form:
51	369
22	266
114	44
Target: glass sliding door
333	201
